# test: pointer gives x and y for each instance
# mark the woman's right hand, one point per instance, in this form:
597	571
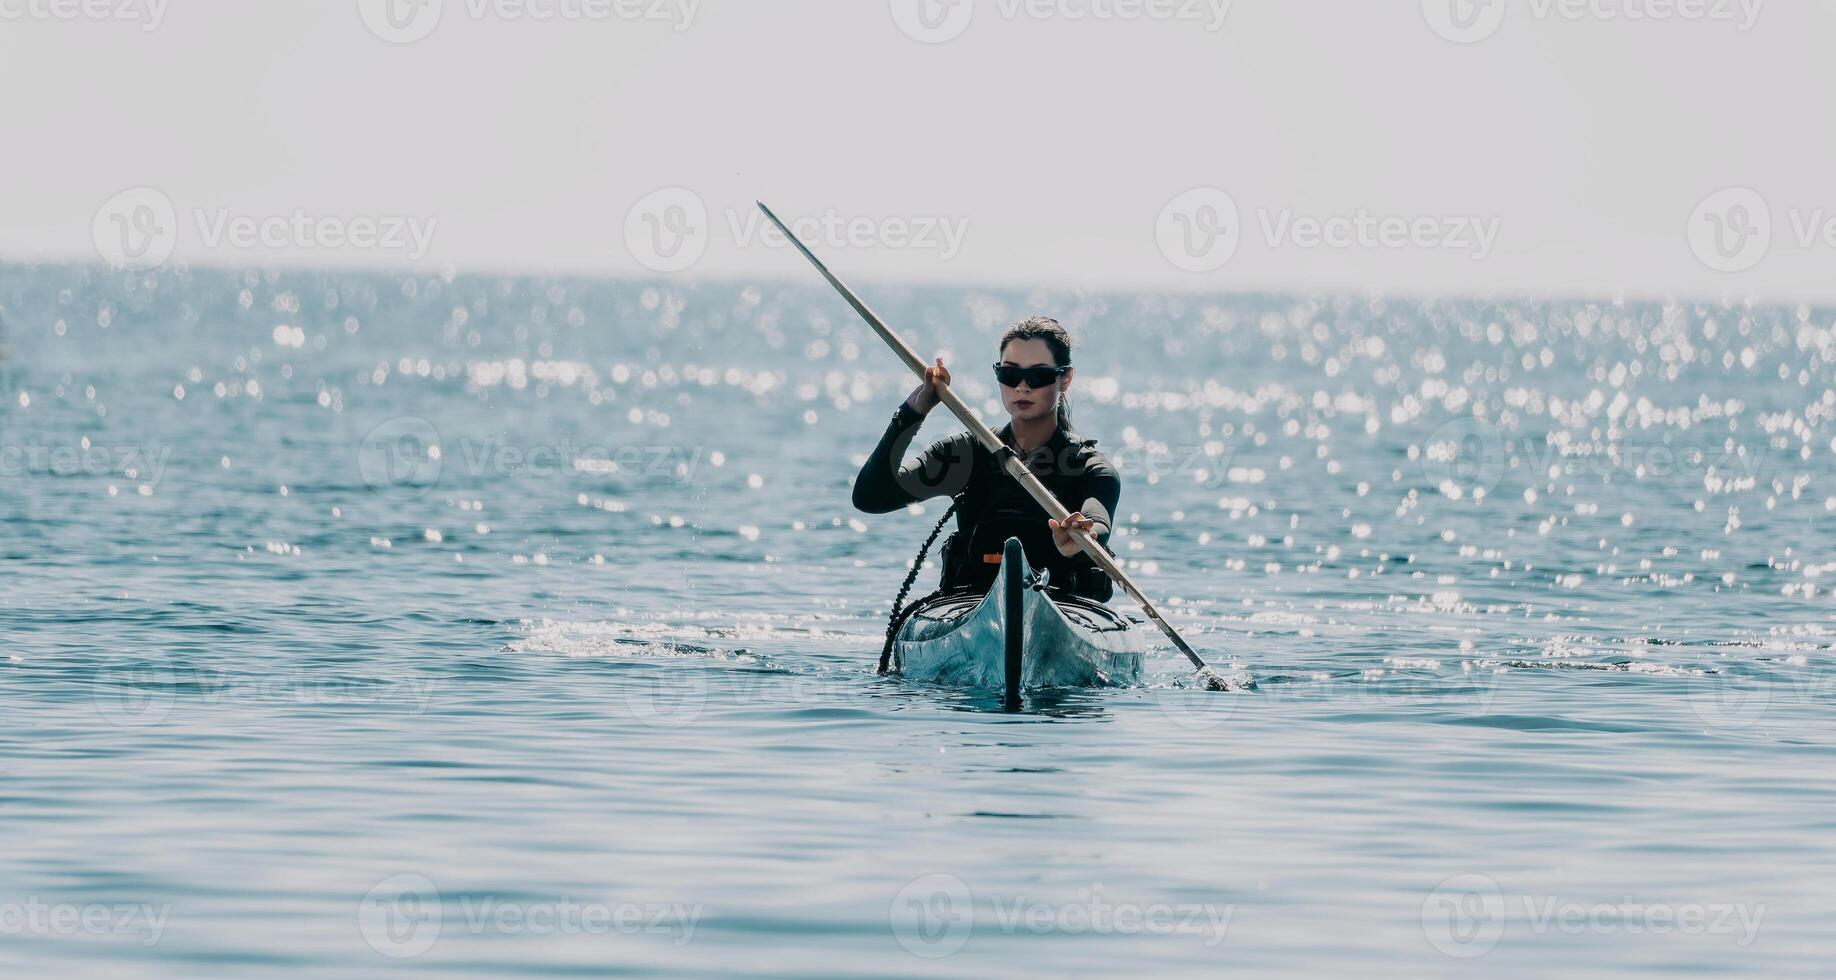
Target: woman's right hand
925	397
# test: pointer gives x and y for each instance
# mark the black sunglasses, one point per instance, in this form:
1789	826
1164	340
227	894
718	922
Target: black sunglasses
1037	376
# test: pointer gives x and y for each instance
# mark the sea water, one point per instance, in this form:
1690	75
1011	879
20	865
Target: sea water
372	623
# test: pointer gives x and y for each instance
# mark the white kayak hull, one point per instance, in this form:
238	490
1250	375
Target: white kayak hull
1062	641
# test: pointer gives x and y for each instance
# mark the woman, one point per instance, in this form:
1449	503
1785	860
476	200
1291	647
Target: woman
1034	374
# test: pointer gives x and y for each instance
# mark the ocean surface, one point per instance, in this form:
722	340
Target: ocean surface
366	624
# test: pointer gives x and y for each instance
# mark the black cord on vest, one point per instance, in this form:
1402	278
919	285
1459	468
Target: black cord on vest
899	610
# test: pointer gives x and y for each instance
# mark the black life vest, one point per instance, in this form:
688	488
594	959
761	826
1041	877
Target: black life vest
994	507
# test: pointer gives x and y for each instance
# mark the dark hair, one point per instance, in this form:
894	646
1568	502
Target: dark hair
1058	339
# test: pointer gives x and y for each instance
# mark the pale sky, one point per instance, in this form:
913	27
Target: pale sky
1563	149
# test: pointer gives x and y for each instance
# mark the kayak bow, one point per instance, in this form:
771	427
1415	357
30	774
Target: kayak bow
1017	637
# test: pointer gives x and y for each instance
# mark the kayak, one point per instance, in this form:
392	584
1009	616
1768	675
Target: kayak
1018	636
1014	665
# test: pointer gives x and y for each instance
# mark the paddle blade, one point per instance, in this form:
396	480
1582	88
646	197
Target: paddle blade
1211	680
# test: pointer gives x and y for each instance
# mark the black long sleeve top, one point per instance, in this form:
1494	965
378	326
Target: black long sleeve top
993	505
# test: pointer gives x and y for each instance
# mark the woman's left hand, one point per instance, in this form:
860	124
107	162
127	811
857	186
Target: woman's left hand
1061	534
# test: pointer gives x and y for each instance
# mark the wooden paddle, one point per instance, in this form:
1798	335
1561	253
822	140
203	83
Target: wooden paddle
1010	462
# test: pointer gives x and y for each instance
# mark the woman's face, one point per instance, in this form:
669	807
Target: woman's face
1026	404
